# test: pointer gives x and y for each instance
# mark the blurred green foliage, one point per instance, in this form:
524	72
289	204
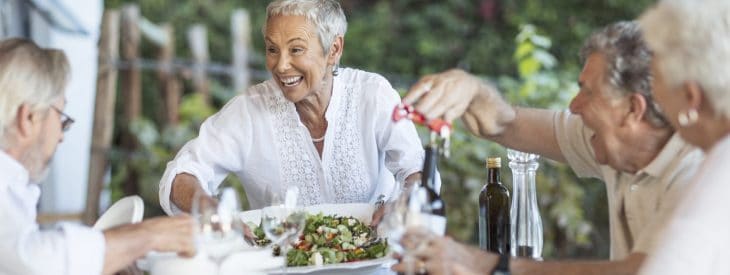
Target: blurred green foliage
528	48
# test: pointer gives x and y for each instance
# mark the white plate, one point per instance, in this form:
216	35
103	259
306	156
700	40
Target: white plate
379	265
361	211
164	263
246	261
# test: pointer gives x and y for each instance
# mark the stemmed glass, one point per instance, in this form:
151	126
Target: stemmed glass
282	222
220	231
409	211
394	225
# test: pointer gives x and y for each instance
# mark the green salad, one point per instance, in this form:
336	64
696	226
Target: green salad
330	239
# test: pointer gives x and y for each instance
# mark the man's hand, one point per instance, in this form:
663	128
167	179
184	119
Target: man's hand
442	255
171	234
462	270
454	94
126	243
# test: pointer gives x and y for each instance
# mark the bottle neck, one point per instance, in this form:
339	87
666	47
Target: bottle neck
493	176
429	167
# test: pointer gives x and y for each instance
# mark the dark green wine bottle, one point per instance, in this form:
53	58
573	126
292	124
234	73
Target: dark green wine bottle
436	207
494	212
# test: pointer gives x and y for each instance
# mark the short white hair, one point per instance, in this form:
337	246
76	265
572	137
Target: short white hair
28	75
691	38
326	15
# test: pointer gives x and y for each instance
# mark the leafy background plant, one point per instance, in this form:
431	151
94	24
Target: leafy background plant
528	48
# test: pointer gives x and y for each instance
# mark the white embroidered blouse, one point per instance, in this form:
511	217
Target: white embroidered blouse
259	137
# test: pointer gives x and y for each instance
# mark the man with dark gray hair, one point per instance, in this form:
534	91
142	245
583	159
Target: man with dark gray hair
32	122
614	132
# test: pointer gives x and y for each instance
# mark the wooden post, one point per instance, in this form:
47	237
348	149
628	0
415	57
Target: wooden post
241	33
106	86
198	42
131	87
169	83
131	78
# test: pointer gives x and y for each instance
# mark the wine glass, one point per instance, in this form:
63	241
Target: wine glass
272	215
220	232
411	210
282	222
394	225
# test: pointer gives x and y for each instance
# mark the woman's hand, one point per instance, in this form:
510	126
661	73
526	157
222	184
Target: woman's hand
378	213
381	206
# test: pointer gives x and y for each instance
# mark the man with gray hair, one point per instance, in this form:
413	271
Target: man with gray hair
32	122
613	132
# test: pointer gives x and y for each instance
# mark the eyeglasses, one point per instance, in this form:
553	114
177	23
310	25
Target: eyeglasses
66	120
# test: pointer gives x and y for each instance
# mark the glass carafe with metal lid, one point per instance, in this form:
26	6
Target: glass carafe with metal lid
526	232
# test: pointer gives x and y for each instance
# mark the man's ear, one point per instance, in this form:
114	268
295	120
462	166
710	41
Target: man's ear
637	108
25	119
336	50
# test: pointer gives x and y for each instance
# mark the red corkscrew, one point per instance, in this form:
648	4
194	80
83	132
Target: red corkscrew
438	127
405	111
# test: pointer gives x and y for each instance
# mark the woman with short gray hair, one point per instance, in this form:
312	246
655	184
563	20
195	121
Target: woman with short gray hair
324	129
690	40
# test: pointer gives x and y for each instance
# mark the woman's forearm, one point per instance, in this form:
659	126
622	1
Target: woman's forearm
183	189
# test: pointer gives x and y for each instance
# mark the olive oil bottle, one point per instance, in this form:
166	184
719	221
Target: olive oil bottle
494	211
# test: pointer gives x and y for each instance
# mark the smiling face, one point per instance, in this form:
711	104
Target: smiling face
602	111
296	58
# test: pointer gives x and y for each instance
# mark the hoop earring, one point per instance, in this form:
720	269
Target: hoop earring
336	69
688	118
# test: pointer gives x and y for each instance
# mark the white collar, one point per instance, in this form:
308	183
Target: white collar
12	171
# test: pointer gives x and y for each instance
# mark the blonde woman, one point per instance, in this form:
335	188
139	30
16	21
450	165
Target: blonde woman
691	44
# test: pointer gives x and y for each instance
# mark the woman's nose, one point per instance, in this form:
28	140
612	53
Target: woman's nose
282	63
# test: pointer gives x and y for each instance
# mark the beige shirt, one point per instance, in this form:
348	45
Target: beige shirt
634	200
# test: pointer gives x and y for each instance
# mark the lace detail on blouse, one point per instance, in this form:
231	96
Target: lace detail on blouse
347	174
297	166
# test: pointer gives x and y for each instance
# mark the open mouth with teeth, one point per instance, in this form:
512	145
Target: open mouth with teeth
291	81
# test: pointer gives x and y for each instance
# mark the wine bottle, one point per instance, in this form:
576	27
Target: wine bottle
428	181
494	211
433	207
